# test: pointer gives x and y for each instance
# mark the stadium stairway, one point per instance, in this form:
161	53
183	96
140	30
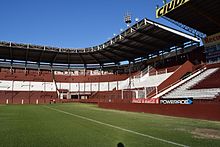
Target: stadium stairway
167	84
182	88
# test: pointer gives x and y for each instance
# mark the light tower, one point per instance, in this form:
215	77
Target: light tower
127	19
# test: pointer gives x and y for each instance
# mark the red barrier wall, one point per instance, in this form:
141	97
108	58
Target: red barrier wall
198	111
186	67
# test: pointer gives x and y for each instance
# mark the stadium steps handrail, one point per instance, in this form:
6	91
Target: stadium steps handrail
160	94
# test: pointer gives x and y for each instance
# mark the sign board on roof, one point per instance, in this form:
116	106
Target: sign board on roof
212	40
170	7
212	48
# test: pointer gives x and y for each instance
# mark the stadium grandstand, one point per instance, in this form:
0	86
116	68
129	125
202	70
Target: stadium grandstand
151	85
147	63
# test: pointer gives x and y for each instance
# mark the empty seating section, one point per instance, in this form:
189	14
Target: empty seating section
30	86
154	71
26	97
21	75
210	91
213	81
20	86
90	79
149	77
101	86
26	86
147	81
32	75
150	81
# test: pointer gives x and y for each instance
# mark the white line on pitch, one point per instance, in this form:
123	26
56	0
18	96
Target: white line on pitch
119	128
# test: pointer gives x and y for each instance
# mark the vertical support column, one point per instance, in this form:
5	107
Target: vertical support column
101	69
44	92
163	59
145	92
70	90
29	93
69	81
11	68
85	69
12	92
156	90
51	68
69	69
78	91
91	87
25	68
101	76
122	96
129	70
38	68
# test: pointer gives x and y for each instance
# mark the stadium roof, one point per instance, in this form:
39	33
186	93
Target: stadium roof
140	40
202	15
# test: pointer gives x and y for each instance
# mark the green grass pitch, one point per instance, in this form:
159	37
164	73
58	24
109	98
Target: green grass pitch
86	125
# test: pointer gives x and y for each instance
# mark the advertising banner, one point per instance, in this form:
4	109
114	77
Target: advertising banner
183	101
146	100
212	48
212	40
170	7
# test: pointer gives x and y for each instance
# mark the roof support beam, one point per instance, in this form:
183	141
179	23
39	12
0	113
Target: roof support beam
41	55
131	53
82	59
147	45
108	57
27	54
11	56
68	59
94	58
55	56
26	57
132	49
115	54
11	53
152	36
120	55
126	45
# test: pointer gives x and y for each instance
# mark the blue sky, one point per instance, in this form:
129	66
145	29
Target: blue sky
69	23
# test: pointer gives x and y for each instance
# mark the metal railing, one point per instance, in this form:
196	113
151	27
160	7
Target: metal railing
157	92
